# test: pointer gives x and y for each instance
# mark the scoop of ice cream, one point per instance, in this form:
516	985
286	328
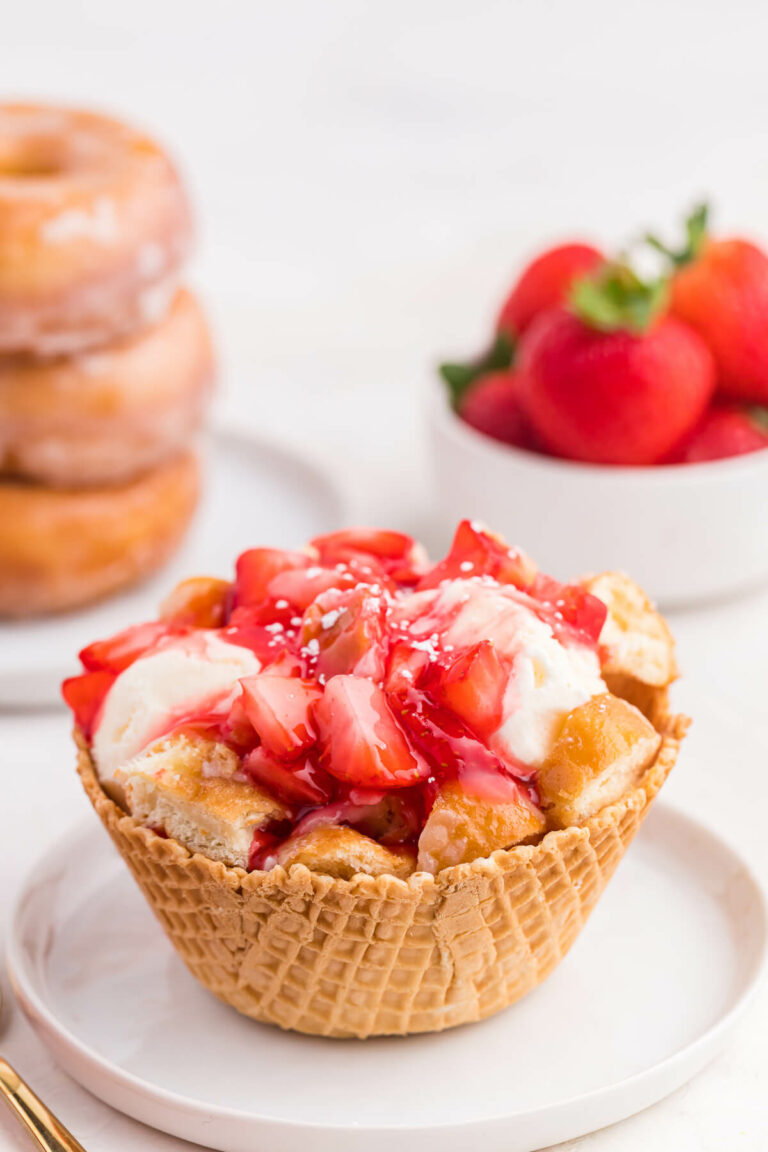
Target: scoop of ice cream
192	674
547	679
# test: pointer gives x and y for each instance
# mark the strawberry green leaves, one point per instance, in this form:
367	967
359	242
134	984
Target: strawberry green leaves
617	299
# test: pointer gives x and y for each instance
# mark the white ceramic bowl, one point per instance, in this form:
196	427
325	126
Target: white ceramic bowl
687	533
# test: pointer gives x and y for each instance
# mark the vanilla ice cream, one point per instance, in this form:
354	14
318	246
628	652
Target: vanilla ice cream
182	676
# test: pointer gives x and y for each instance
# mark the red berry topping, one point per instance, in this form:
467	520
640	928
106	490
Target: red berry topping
363	742
392	553
475	552
472	686
298	783
85	696
279	708
117	653
257	568
344	632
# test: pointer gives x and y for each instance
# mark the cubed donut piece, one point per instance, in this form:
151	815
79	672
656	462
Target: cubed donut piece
186	787
463	825
602	749
637	648
343	852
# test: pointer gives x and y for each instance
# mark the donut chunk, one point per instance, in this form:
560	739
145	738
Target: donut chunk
104	416
186	787
602	750
61	548
462	826
94	227
637	648
343	852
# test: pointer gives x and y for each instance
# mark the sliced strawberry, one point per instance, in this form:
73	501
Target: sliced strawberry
405	668
236	729
279	709
85	696
344	632
117	653
257	568
286	664
447	742
475	552
363	742
200	602
472	686
299	783
397	555
575	615
264	629
301	587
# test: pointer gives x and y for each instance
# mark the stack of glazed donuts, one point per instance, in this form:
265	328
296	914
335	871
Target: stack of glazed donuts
106	362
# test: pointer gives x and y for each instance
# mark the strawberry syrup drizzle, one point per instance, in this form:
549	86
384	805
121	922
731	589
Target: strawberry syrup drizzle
412	655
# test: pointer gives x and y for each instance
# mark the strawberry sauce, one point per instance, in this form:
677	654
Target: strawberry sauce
372	693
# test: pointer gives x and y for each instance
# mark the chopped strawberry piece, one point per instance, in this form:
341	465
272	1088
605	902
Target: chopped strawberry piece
298	783
279	709
117	653
475	552
472	686
301	587
201	602
397	555
286	664
236	729
363	742
85	696
446	741
575	615
265	839
257	568
344	632
264	629
406	665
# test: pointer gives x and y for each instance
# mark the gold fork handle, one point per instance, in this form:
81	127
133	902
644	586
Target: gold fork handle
48	1132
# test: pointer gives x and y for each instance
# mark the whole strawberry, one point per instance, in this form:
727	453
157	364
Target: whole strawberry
720	288
545	283
726	430
612	379
492	405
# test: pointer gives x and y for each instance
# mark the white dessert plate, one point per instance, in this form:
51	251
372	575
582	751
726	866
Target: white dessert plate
648	995
255	493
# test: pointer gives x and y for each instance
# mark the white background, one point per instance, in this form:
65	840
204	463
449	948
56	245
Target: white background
367	177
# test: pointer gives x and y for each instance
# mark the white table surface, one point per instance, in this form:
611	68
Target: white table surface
367	176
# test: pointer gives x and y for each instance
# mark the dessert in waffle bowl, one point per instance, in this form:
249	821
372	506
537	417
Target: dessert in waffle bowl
366	795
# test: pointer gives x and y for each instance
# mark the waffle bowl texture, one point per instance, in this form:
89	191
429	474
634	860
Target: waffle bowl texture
378	956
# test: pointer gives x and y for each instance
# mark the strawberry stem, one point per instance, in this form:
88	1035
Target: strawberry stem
460	377
616	299
696	231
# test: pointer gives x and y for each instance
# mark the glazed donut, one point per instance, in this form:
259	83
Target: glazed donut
94	226
103	416
61	549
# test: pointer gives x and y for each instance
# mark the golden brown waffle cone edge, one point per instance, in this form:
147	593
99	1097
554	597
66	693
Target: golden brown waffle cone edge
377	955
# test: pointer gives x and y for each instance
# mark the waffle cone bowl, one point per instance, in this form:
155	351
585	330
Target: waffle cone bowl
377	956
